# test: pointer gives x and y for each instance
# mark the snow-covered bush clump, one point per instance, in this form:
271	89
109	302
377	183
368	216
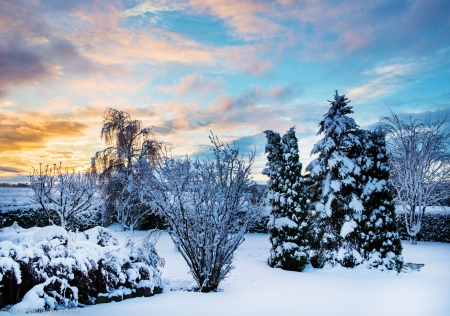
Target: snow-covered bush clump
49	268
207	207
286	198
62	193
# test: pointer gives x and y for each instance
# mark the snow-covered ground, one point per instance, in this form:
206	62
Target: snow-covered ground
15	198
254	288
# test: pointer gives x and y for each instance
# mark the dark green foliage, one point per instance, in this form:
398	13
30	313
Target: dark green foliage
287	225
37	217
153	221
435	227
376	232
331	184
61	266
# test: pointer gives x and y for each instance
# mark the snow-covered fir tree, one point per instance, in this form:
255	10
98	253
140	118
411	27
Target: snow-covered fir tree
332	188
376	231
288	220
273	170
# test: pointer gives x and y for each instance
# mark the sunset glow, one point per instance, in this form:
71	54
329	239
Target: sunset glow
233	67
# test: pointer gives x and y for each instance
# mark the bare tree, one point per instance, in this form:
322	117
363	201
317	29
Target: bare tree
207	207
129	146
62	193
419	165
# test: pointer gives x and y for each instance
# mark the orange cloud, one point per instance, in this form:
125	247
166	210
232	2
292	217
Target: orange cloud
17	134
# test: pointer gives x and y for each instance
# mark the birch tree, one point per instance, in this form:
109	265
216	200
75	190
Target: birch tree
419	162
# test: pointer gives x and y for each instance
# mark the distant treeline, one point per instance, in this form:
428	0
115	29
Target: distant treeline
13	185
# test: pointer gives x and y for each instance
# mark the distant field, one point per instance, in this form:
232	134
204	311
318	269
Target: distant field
19	197
15	197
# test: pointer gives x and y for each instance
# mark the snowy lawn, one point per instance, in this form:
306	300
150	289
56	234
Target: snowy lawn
254	288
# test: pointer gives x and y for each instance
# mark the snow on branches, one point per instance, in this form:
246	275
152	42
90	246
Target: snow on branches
207	207
419	162
63	193
287	199
353	217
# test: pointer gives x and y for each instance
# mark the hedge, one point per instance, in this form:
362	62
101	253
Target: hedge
435	227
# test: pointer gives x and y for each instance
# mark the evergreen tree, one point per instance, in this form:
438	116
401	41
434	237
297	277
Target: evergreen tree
273	170
288	222
332	186
377	230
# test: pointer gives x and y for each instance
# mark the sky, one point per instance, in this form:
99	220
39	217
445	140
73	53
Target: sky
188	67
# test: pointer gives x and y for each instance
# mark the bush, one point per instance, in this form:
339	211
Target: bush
49	268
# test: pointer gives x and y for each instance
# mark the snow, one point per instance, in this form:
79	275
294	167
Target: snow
356	204
48	233
252	288
347	228
16	198
284	221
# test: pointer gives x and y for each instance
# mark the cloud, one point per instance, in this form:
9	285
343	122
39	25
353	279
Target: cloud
245	18
19	66
155	7
194	83
244	57
394	74
10	169
31	131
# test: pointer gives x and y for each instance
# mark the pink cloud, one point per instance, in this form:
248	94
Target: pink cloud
242	16
194	83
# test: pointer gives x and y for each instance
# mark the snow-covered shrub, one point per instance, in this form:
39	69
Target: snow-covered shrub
153	220
51	268
207	206
25	217
62	193
54	294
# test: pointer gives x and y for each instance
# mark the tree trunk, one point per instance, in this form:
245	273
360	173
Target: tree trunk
413	240
63	221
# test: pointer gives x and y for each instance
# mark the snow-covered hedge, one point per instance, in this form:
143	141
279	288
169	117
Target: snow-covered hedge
435	227
49	268
36	217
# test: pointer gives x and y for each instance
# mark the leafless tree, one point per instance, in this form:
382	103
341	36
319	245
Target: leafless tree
207	207
419	162
63	193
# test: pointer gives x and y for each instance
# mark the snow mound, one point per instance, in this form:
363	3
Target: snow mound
49	232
